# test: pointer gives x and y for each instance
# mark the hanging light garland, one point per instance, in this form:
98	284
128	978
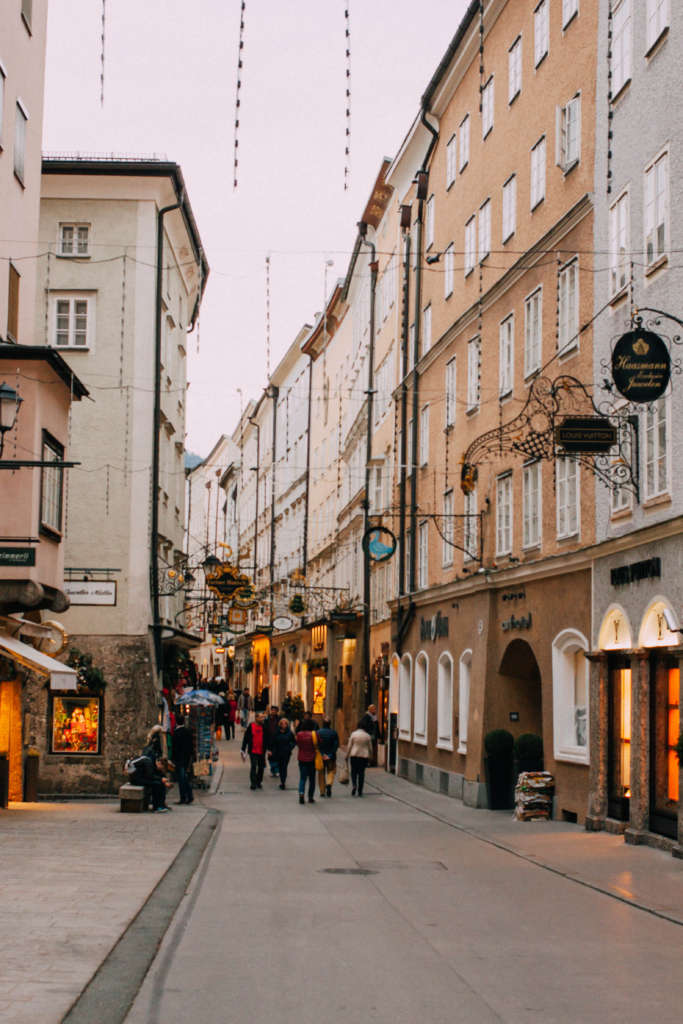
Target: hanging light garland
347	147
240	65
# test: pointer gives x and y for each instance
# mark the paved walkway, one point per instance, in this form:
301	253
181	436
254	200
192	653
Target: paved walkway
74	875
444	914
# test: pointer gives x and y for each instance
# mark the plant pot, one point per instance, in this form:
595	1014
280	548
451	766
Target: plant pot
499	783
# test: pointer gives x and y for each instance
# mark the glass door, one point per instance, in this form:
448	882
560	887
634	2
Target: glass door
619	768
665	693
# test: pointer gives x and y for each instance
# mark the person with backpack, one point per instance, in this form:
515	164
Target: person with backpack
307	742
328	744
183	751
282	745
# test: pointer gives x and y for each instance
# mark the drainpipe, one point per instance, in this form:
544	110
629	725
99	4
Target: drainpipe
404	439
362	229
154	560
273	391
256	470
304	556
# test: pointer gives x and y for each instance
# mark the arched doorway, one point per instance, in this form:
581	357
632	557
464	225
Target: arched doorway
518	692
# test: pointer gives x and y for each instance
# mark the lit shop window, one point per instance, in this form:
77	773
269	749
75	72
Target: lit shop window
76	725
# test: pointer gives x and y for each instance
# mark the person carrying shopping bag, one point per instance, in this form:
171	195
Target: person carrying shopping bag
358	753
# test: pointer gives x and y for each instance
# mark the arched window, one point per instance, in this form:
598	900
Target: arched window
654	628
405	688
421	693
570	697
464	699
444	702
615	631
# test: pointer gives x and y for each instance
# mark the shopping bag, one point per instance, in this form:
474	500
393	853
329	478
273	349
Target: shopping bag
344	776
218	732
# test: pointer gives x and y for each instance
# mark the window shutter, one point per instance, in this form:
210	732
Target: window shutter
13	304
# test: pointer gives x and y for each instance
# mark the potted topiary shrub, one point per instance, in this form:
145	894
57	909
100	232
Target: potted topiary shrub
528	750
498	767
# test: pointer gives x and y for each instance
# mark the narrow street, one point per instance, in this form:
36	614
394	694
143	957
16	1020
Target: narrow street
373	909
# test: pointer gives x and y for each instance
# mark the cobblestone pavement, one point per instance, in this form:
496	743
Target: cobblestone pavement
73	877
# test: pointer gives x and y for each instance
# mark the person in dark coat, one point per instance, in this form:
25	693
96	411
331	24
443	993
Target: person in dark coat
328	744
183	751
307	742
149	773
254	742
271	726
282	745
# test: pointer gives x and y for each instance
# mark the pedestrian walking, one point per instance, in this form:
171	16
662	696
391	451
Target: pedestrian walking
271	725
183	752
245	705
232	715
369	721
283	744
358	753
328	744
307	742
254	742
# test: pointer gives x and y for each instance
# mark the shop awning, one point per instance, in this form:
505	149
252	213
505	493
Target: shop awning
61	676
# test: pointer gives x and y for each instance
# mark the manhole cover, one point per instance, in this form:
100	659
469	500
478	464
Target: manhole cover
347	871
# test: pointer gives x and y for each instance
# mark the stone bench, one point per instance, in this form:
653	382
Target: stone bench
134	799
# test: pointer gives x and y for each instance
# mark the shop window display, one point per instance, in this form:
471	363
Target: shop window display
75	725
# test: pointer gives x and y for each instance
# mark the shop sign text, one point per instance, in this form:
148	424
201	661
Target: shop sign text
648	569
432	629
17	556
523	622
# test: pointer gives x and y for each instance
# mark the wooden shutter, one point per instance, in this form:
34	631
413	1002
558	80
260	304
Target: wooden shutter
13	304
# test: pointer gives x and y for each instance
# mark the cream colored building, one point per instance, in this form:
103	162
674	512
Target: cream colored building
97	303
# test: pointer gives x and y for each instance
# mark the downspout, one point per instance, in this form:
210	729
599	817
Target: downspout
304	557
404	440
154	561
362	228
416	347
274	391
256	512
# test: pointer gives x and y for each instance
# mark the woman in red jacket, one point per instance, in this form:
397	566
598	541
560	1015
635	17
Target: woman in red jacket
307	742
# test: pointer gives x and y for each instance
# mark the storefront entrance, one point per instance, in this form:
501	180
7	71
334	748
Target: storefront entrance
519	691
665	694
619	742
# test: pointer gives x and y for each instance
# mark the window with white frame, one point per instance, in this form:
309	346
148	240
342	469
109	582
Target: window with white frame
509	207
619	244
567	491
515	69
487	108
506	347
569	9
421	696
451	160
448	271
658	19
424	435
531	505
657	209
569	306
422	555
444	702
473	362
570	697
504	514
621	498
471	529
405	694
414	249
51	485
409	448
376	490
657	441
464	142
73	319
569	133
451	381
470	244
464	685
74	239
426	328
448	529
533	327
20	140
541	32
622	45
429	223
485	229
537	191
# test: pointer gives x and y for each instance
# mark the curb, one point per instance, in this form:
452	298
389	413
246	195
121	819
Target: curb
110	993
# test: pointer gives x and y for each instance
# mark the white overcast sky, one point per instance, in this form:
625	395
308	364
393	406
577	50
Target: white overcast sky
170	75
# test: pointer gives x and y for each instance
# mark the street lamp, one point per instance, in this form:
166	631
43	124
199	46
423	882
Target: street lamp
210	564
9	409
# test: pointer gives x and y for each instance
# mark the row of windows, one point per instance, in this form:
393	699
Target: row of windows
656	228
657	21
570	698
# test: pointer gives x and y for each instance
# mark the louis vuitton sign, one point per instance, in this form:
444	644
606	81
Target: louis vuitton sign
641	366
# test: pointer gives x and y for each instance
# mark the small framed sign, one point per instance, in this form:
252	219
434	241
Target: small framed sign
641	366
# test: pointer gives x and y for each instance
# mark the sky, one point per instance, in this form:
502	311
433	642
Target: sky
169	88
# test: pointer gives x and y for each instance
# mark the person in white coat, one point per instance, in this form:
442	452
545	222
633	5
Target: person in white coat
358	753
